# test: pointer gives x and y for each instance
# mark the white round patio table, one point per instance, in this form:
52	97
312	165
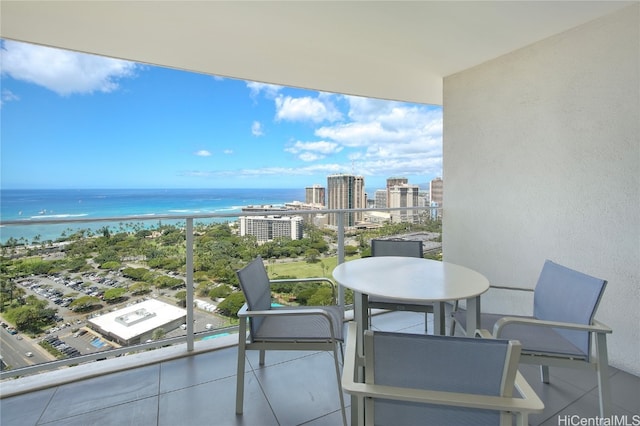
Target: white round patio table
413	279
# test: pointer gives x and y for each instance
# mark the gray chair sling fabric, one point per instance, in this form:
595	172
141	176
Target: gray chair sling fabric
396	247
309	328
458	370
561	328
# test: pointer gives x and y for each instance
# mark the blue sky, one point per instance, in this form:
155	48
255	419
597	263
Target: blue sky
71	120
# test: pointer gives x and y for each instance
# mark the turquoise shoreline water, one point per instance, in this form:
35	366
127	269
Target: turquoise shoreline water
99	203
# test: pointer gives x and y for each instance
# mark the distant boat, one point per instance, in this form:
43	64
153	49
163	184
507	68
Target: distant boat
43	211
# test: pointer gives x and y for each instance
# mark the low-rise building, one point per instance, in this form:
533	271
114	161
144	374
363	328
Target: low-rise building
136	323
266	228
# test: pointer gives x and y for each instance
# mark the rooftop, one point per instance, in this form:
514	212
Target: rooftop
138	319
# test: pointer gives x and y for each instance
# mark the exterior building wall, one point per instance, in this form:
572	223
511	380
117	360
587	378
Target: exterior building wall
315	195
436	191
266	228
346	192
542	161
404	196
381	198
394	181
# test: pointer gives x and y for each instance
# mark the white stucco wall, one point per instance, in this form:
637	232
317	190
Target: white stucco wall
542	160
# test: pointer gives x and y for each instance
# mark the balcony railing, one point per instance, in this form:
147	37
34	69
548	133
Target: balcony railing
426	213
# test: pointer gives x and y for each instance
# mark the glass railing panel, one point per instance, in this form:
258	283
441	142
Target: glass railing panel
63	296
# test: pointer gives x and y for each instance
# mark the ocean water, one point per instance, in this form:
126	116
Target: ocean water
26	205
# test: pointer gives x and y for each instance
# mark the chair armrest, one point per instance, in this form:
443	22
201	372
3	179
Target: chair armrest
483	333
496	287
302	280
245	313
596	327
502	287
527	402
351	358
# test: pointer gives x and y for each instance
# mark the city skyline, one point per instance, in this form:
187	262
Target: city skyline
71	120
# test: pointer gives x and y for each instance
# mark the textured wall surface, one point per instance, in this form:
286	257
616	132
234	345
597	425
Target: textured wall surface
542	161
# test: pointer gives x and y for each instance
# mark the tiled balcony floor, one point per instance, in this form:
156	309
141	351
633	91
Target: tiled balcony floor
293	388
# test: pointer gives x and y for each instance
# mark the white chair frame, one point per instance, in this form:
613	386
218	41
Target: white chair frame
527	402
246	342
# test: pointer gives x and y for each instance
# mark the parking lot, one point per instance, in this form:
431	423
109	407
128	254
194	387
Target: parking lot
70	335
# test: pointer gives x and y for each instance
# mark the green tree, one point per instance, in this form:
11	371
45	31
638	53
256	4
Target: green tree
84	303
350	250
158	333
140	288
220	291
112	265
311	255
164	281
232	304
114	295
322	297
136	274
182	298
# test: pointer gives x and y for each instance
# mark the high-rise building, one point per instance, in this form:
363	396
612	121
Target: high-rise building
266	228
394	181
346	192
435	191
404	195
381	198
435	197
314	194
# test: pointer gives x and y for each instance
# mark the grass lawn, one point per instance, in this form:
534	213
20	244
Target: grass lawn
303	269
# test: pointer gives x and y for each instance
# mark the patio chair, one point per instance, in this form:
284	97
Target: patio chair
307	328
562	327
397	247
416	379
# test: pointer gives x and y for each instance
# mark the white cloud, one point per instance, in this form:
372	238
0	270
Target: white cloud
306	108
8	96
313	151
270	90
310	156
320	146
387	138
354	134
227	151
315	169
381	139
256	129
62	71
203	153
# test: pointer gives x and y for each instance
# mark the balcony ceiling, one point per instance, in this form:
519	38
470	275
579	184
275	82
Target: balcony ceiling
391	49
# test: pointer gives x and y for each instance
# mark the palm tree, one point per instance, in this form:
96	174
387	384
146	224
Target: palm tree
158	333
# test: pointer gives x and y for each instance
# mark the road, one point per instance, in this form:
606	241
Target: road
14	347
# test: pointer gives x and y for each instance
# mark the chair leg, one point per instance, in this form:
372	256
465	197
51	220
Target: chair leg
339	378
242	341
522	419
544	373
262	352
452	325
602	370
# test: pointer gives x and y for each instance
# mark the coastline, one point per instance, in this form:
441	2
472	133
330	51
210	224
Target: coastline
104	203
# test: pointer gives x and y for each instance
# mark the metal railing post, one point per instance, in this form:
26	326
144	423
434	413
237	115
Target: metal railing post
190	304
340	217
